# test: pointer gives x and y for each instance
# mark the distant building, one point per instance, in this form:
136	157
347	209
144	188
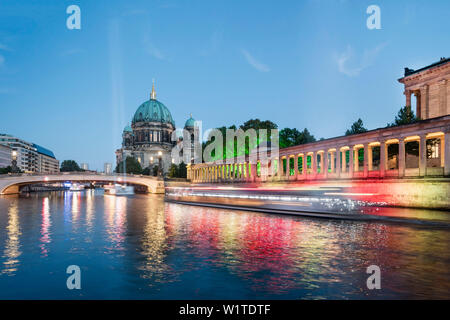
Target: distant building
30	156
85	166
5	156
108	168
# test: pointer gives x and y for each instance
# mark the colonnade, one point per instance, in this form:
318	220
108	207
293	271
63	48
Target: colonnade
388	152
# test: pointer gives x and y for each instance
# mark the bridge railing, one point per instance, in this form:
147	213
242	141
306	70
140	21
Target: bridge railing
9	175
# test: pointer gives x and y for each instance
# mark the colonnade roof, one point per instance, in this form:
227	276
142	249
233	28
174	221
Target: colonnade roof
444	120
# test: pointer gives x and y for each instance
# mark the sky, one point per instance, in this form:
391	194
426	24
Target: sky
310	63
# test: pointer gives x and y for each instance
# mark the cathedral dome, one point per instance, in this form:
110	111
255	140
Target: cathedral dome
153	111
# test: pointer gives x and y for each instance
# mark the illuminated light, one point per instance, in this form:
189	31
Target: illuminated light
345	148
332	150
120	179
374	144
348	194
391	141
413	138
160	153
434	135
358	146
46	179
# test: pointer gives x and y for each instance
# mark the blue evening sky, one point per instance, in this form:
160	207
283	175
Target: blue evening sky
309	63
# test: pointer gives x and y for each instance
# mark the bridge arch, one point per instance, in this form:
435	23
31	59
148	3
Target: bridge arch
10	184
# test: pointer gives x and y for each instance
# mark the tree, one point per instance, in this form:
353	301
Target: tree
173	171
70	166
357	127
255	124
182	170
146	171
404	116
155	170
131	165
292	137
6	170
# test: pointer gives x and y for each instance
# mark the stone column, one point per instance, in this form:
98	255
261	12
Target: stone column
338	162
296	166
344	161
351	165
366	159
287	166
408	97
422	155
280	167
314	164
325	164
447	153
370	158
332	154
443	97
253	171
424	102
401	157
382	158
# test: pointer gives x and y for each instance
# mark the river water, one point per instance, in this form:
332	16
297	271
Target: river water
140	247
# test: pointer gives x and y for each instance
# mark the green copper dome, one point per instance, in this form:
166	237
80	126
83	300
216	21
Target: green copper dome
189	123
153	111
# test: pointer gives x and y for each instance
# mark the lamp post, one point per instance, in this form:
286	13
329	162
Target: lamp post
14	168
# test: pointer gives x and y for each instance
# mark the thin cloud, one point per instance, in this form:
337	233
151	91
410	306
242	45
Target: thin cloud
344	60
255	63
2	60
152	50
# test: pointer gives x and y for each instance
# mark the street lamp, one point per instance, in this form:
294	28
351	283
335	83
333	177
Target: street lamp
14	168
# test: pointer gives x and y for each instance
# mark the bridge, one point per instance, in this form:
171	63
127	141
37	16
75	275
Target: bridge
11	183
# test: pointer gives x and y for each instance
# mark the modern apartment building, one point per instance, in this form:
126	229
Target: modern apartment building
30	156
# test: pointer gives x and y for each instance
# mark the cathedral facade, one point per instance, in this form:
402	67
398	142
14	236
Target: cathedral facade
149	137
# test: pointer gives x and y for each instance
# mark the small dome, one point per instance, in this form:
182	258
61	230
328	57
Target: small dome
127	129
190	123
153	111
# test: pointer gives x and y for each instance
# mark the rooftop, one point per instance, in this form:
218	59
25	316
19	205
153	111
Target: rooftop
409	71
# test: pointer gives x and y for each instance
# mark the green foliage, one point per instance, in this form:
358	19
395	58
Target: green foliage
131	165
404	116
357	127
147	171
70	166
255	124
155	170
292	137
178	171
6	170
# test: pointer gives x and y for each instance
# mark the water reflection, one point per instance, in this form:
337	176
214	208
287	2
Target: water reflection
142	247
12	251
115	215
45	227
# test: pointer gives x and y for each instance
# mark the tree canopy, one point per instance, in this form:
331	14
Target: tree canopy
131	165
357	127
404	116
70	166
292	137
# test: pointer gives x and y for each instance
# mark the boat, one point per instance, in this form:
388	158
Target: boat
76	187
119	190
